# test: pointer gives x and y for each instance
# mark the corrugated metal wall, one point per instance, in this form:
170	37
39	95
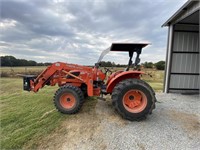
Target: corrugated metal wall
185	63
186	42
184	71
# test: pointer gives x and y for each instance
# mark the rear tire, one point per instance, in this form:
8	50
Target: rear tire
133	99
68	99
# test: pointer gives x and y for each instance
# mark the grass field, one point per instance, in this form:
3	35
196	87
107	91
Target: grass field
155	78
27	117
22	69
13	71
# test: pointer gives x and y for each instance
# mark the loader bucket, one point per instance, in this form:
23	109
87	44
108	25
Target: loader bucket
26	81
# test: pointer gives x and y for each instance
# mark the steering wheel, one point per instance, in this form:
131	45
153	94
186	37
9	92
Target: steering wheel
107	70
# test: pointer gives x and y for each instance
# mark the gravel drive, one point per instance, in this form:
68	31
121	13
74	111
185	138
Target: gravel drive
174	124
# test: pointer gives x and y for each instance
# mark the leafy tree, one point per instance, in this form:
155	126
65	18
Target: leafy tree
11	61
32	63
47	64
107	64
8	61
160	65
148	65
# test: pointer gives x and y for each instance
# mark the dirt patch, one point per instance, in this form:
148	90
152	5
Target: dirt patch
189	122
106	112
74	133
79	131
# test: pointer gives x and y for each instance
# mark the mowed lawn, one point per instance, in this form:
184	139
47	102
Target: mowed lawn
27	117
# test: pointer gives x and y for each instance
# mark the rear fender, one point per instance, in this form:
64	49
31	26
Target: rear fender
122	76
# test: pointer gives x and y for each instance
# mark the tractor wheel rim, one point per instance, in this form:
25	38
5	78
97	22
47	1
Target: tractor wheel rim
134	101
67	101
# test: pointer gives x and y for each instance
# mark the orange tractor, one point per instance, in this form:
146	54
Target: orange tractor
132	98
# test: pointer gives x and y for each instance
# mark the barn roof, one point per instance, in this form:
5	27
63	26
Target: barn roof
186	10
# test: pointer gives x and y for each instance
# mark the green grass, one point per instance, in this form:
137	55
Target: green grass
24	115
27	117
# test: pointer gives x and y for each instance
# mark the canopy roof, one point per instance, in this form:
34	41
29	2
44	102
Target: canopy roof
126	47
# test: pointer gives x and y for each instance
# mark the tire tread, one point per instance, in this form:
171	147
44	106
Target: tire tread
117	91
76	90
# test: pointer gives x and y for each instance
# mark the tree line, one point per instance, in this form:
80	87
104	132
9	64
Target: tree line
11	61
160	65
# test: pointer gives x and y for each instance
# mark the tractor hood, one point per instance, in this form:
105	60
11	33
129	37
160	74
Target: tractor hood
123	47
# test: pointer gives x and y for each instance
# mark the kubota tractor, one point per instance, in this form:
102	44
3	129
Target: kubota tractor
132	98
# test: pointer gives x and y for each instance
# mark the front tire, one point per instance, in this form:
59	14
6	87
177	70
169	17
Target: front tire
68	99
133	99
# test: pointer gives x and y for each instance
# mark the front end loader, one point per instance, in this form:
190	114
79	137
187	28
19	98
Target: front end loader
131	97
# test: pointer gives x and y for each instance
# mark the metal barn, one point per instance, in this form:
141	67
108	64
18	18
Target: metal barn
182	58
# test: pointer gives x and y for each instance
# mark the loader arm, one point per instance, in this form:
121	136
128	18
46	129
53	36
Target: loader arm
43	78
59	73
56	74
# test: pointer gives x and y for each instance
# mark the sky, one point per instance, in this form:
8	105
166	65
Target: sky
77	31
